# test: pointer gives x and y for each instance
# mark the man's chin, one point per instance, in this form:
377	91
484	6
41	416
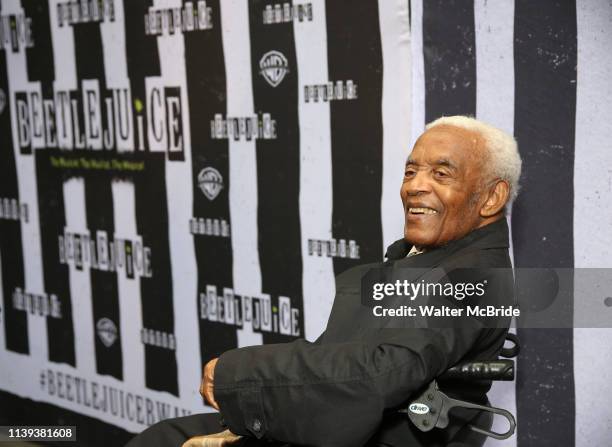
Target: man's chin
418	239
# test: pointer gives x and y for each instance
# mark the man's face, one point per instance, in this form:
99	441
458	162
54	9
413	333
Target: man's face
441	186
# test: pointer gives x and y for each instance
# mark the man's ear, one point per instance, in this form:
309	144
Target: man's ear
496	199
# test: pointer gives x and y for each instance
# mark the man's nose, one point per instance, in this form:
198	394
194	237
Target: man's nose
419	184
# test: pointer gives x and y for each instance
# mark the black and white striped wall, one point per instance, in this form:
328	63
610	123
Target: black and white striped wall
179	178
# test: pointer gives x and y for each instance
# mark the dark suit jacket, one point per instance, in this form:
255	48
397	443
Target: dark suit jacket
344	389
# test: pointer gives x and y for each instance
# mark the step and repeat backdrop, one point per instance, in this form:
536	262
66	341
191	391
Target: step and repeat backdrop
182	178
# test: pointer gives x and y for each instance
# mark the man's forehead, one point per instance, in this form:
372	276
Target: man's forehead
436	155
445	145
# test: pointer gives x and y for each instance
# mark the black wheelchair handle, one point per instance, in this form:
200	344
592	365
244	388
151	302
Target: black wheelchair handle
513	350
492	370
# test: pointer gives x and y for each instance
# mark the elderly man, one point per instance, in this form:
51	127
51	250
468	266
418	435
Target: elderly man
345	388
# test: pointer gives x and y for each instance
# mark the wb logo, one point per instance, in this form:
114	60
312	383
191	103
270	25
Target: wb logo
210	182
107	331
273	67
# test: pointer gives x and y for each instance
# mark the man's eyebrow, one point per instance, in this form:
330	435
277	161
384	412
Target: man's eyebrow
445	162
439	162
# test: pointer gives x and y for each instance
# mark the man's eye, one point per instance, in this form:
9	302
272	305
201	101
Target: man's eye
440	174
409	172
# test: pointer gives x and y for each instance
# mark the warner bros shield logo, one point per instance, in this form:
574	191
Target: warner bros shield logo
107	331
273	67
210	182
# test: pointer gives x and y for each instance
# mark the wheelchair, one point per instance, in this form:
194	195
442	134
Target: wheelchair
430	408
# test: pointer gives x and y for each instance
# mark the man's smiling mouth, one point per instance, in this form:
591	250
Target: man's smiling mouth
421	210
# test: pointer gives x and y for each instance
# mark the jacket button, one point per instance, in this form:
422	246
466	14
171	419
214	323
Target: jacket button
256	425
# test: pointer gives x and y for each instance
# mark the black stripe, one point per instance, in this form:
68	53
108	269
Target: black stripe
156	291
60	331
39	57
11	250
278	167
545	57
355	53
206	84
151	205
104	288
409	14
89	58
449	50
142	60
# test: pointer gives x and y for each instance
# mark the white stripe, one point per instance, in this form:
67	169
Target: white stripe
182	253
316	197
74	201
112	36
396	97
80	280
494	20
592	215
495	62
418	70
242	159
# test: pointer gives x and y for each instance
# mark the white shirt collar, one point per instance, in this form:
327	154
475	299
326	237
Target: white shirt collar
415	251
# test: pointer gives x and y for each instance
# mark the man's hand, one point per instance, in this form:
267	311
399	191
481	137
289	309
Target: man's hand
215	440
207	385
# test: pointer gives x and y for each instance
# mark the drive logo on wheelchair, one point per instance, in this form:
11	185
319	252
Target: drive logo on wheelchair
418	408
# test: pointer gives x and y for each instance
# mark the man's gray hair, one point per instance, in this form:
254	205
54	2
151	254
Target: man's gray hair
504	158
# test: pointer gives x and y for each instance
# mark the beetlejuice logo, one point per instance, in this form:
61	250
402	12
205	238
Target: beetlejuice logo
12	209
287	12
248	128
85	11
168	21
333	248
96	119
161	339
273	67
40	304
209	227
15	32
130	257
331	91
227	307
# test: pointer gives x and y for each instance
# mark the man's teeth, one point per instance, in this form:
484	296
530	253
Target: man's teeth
422	211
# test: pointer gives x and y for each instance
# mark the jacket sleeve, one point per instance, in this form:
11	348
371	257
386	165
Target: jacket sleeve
331	394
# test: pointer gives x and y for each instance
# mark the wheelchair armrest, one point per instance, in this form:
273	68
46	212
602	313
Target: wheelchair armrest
491	370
